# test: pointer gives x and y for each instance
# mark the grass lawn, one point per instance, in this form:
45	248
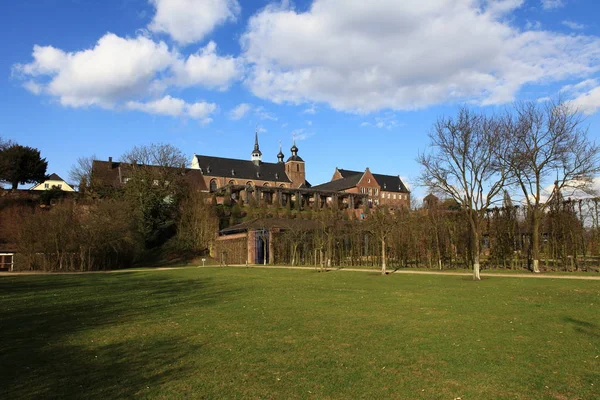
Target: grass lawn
256	333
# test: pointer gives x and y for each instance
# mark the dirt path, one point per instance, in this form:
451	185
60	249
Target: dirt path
375	271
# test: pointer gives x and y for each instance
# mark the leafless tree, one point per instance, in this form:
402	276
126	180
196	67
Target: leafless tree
547	142
381	224
81	172
463	165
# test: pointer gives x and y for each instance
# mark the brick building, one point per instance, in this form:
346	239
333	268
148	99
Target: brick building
219	172
282	182
388	190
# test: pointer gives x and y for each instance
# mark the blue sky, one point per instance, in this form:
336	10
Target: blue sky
358	83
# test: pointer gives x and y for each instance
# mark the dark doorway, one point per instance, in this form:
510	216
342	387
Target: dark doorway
262	247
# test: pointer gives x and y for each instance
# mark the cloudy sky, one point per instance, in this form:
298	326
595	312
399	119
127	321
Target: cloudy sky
358	83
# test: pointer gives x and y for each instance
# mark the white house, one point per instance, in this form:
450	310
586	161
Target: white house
54	181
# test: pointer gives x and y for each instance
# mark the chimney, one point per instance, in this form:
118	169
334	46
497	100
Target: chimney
110	163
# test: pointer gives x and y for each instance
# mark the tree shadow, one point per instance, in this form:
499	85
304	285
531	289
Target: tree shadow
584	327
41	316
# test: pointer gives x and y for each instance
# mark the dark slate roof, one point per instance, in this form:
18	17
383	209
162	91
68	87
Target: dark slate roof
295	158
389	183
242	169
270	223
340	184
112	173
55	177
346	173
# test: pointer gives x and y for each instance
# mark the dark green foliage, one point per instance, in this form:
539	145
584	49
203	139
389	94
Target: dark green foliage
47	197
21	165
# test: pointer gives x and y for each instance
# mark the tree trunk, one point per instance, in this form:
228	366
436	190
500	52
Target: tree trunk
475	247
535	241
15	185
476	268
383	266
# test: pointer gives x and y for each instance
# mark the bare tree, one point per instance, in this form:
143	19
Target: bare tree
463	166
547	142
381	224
81	172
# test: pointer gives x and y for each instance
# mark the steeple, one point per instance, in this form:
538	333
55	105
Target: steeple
294	151
256	153
280	155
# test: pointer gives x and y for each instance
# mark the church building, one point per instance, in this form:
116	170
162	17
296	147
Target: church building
219	172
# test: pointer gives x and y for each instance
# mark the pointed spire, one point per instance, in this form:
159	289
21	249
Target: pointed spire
256	140
280	156
256	153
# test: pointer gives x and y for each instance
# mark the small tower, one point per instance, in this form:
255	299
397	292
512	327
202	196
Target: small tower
294	168
280	156
256	153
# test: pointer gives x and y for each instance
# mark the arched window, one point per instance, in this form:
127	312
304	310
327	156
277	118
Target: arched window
249	183
213	185
266	184
297	167
282	185
232	182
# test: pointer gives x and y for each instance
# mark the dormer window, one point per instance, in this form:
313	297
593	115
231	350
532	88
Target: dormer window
208	169
233	172
258	174
276	176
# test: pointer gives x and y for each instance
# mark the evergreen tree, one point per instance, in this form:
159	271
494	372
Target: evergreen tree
21	165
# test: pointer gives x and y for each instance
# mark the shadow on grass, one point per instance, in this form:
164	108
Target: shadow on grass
584	327
44	319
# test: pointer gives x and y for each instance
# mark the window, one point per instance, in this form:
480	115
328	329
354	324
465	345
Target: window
394	196
266	184
232	182
213	185
249	183
46	186
59	186
389	196
297	167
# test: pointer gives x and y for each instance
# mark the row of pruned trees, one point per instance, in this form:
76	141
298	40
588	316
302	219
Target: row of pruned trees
438	236
536	150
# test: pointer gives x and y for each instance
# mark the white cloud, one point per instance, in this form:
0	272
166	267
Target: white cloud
580	87
552	4
301	134
262	113
588	102
207	69
240	111
115	69
362	56
533	25
310	110
386	121
573	25
120	70
175	107
188	21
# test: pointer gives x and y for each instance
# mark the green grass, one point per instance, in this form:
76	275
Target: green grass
256	333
